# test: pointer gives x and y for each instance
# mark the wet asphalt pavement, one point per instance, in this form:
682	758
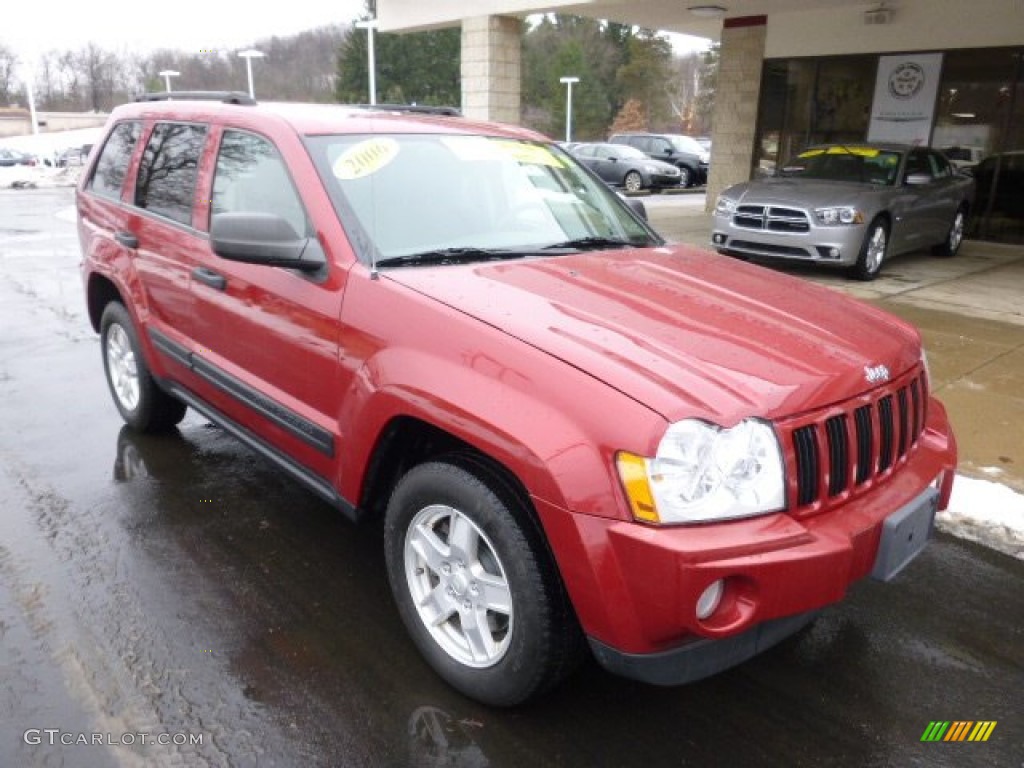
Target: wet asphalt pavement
180	586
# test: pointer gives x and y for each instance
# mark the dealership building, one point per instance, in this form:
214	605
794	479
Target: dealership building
943	73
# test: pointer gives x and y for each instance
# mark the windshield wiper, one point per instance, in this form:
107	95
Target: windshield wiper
462	255
590	244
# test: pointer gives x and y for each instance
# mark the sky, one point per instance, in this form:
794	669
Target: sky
179	24
127	25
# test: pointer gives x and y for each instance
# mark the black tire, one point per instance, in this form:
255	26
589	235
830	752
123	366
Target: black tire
633	181
685	177
532	646
143	405
873	251
954	236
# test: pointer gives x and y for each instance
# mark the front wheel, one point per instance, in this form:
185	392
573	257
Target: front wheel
955	235
475	586
633	182
872	251
685	176
139	399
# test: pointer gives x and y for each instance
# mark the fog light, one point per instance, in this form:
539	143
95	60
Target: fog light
719	239
833	252
709	599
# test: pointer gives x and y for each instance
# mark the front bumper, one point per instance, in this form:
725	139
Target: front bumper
636	587
835	245
661	181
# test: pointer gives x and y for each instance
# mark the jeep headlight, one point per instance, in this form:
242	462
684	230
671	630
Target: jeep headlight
702	472
724	206
831	217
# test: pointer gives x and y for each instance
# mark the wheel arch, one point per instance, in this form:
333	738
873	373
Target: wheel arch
100	291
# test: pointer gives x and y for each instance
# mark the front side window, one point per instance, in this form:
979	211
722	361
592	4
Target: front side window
167	174
917	163
112	166
251	178
401	196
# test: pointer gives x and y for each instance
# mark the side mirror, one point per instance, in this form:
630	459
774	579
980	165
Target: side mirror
264	238
918	179
637	206
667	151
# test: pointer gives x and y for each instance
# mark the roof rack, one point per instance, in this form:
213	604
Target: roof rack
422	109
227	97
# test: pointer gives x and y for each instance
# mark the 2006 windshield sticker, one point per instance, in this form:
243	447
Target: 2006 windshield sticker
365	158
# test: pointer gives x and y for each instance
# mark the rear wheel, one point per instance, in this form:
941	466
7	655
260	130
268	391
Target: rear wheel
475	585
142	403
633	182
872	252
685	176
955	235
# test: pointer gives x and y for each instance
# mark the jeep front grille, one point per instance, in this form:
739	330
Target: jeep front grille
848	447
771	218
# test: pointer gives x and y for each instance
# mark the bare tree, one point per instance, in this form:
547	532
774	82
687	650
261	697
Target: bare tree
8	85
97	67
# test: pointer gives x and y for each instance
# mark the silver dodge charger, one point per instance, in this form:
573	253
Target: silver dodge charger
848	205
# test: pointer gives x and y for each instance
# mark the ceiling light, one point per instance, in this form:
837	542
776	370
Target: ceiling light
707	11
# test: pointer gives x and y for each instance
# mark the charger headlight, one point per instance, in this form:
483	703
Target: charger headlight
703	472
838	216
724	206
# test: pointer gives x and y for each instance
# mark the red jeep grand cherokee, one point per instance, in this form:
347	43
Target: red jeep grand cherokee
574	431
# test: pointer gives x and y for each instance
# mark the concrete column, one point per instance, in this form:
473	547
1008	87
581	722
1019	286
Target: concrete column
491	77
736	96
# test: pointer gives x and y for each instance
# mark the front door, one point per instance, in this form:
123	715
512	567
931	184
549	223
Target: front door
266	338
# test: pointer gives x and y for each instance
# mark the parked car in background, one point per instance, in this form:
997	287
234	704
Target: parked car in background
71	156
684	152
851	206
964	157
12	157
623	166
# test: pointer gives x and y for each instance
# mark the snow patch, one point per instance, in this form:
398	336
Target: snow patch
985	512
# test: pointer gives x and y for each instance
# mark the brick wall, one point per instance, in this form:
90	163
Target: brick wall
736	97
491	54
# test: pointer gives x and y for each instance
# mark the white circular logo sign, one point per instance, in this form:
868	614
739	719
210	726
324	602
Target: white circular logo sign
906	80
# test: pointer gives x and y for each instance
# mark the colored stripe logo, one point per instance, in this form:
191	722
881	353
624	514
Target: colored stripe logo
958	730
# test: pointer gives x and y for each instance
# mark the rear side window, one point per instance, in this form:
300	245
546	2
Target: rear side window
167	173
108	178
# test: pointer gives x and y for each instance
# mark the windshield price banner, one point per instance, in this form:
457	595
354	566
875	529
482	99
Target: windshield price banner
904	103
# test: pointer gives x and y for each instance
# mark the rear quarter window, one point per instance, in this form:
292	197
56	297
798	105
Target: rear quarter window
112	166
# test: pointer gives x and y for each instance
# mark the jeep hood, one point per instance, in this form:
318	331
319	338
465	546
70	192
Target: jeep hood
683	331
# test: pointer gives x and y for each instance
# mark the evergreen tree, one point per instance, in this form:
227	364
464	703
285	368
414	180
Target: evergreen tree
417	68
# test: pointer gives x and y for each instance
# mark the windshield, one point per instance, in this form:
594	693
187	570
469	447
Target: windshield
406	196
686	144
865	165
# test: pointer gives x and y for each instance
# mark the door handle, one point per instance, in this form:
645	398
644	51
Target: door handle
210	278
127	239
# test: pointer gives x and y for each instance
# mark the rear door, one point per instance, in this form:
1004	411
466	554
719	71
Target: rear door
168	244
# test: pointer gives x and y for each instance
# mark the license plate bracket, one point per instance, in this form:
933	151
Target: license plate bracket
904	535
